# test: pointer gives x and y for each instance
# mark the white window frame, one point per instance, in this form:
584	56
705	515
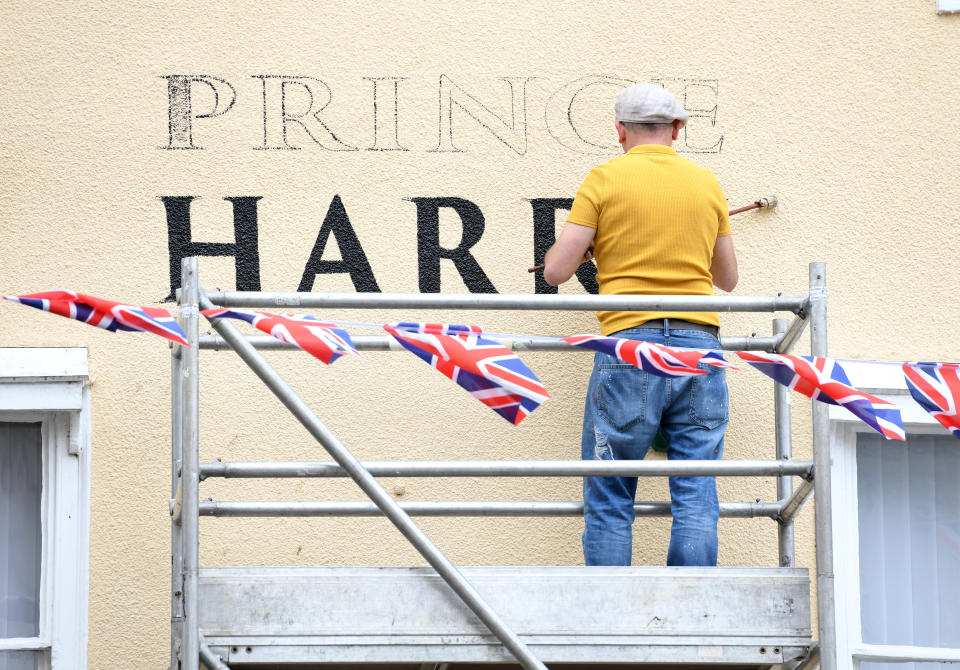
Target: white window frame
885	381
948	6
49	386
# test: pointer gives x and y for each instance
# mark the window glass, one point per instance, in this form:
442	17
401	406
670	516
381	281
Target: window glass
19	660
20	489
909	522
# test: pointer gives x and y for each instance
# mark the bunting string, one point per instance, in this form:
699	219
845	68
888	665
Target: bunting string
495	375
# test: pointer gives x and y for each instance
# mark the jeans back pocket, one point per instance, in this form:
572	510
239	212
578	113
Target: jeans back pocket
621	395
709	401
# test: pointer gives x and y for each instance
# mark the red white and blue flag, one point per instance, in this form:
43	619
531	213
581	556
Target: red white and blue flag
318	338
657	359
106	314
493	374
936	388
825	380
438	328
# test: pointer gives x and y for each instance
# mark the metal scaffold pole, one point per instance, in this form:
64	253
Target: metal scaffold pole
626	468
190	470
339	452
176	535
822	492
508	301
781	411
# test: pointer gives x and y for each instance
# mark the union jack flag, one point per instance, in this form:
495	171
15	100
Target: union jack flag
825	380
493	374
319	339
105	314
654	358
936	388
438	328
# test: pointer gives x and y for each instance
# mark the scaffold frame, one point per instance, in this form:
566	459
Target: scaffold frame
188	649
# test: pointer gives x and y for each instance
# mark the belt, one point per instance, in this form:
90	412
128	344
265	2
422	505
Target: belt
679	324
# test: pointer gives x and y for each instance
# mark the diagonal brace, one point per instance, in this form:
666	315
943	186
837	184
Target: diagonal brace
211	660
372	488
792	334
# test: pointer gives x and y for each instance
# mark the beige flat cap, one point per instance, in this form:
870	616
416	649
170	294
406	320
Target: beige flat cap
648	103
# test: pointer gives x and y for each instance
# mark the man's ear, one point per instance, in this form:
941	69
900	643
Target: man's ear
677	125
621	132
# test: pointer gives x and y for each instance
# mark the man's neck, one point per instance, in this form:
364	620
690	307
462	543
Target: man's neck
632	142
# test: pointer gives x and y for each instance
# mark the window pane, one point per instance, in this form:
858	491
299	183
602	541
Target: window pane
18	660
20	487
909	520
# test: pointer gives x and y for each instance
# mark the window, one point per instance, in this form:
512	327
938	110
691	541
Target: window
909	509
896	529
948	6
44	508
20	532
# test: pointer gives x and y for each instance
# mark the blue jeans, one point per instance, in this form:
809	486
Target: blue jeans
624	408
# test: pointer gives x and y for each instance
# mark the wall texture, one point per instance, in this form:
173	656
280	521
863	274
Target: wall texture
121	125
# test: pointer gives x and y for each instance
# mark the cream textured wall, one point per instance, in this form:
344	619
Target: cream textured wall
847	111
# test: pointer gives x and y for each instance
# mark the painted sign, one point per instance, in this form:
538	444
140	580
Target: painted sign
292	116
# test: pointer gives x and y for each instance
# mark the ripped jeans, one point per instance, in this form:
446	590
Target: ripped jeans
624	408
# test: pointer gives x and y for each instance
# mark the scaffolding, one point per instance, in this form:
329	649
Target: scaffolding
760	617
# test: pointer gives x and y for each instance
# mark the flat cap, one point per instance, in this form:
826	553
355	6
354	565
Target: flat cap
648	103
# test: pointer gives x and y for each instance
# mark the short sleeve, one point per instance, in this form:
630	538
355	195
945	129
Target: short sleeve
585	210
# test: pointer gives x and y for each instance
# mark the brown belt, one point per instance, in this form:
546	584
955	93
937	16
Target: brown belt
679	324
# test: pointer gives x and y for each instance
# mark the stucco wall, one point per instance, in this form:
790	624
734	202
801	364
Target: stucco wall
847	112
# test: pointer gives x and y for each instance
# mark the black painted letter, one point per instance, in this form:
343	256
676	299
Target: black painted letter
244	248
544	235
180	104
354	261
429	251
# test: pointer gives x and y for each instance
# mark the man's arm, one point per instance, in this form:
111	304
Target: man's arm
572	248
724	264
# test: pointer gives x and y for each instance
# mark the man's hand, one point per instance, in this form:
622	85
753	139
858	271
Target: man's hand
573	247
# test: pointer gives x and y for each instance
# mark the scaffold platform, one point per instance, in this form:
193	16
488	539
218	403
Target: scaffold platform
749	617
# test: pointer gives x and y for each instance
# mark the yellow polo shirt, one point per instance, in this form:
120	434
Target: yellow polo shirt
657	218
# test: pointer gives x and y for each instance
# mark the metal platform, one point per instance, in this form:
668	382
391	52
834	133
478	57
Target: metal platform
754	617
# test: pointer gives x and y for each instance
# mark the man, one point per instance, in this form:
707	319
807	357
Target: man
656	224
